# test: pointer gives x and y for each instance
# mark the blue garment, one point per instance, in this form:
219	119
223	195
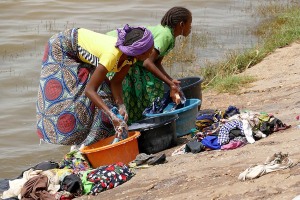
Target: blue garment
116	112
163	105
125	132
231	110
211	142
4	184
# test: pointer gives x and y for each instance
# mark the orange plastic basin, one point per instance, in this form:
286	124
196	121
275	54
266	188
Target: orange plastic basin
105	153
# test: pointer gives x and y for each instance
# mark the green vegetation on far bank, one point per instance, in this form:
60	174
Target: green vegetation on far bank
280	28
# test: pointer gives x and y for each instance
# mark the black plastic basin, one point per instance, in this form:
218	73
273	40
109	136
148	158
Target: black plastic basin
157	133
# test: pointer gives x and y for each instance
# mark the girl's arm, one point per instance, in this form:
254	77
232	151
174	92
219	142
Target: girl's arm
153	64
161	68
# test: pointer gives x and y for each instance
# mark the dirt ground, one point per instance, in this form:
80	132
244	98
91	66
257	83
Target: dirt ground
214	174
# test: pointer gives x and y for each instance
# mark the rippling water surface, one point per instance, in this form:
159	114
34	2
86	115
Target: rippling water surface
26	25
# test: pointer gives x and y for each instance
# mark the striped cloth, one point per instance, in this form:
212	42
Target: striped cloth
223	137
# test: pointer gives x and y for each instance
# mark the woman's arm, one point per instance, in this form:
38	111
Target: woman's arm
117	91
116	84
91	89
92	86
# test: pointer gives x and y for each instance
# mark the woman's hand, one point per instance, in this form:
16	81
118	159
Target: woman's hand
123	112
118	124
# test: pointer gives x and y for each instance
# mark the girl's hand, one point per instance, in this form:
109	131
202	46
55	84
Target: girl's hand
174	93
176	82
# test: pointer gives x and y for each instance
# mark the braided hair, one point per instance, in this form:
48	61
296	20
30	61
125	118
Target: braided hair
175	15
133	36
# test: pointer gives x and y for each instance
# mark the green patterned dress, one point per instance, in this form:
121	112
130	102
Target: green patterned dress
141	87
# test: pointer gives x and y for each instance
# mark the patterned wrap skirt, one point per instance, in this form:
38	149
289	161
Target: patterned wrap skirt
140	88
64	114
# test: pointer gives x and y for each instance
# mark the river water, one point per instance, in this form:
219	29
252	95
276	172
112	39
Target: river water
27	24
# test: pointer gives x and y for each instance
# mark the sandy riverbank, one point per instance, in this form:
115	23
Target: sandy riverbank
214	174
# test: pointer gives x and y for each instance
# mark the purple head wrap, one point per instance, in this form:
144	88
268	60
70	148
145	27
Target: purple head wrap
138	47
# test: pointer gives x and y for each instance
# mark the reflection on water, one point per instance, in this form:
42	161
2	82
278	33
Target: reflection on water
26	26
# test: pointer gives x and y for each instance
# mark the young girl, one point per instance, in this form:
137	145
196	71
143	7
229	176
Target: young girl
75	98
144	81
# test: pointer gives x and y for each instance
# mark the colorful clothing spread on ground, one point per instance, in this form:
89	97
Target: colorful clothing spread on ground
64	114
141	87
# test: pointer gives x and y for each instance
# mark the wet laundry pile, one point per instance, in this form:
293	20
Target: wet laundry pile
229	129
72	177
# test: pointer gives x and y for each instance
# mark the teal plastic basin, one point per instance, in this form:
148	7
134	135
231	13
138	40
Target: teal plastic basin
186	116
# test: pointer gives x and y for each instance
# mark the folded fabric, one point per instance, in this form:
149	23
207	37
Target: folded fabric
194	147
143	158
231	110
36	188
72	183
235	133
233	144
107	177
211	142
159	159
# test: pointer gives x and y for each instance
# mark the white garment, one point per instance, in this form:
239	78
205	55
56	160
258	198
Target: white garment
15	186
278	162
179	151
249	119
53	180
296	198
248	131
